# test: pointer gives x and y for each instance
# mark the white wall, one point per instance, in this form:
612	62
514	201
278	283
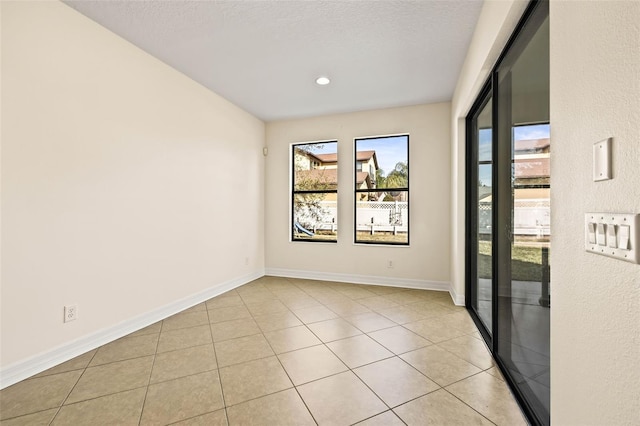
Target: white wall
125	185
426	261
595	305
495	25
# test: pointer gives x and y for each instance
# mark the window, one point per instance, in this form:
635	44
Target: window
314	198
382	190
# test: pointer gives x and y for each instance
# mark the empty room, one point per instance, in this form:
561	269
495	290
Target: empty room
326	212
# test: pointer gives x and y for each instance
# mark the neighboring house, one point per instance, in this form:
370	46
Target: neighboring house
531	169
531	162
322	169
531	191
367	162
328	161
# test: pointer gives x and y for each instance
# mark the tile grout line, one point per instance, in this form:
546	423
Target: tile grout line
396	356
373	362
321	343
340	316
379	414
465	403
74	386
215	354
57	408
292	384
349	369
29	414
362	333
153	364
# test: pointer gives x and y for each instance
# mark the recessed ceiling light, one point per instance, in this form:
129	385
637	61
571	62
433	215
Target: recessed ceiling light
323	81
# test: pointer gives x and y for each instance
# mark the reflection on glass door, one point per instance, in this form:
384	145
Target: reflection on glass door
523	344
509	149
523	206
482	176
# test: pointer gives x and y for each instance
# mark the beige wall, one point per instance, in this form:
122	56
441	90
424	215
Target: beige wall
427	260
125	185
595	305
495	25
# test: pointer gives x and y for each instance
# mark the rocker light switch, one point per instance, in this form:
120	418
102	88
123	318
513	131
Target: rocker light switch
615	235
592	232
624	237
611	236
601	238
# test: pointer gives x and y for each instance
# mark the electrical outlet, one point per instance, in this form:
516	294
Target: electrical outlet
390	264
70	313
246	261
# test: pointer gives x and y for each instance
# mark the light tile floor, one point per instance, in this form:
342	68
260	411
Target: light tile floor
281	351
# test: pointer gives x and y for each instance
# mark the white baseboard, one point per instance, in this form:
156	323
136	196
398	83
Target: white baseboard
36	364
458	299
364	279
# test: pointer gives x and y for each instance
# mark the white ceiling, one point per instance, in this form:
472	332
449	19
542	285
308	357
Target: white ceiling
264	56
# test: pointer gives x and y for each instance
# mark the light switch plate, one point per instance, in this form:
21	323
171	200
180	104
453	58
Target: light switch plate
602	160
615	220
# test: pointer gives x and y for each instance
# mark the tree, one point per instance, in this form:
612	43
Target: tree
381	180
399	177
306	205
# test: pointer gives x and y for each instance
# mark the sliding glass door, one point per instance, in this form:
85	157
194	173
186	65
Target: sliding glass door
480	188
508	272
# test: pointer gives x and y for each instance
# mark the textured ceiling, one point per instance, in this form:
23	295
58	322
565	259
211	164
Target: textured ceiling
264	56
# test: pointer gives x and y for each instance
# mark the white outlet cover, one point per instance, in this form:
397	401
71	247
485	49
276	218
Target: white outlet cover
70	313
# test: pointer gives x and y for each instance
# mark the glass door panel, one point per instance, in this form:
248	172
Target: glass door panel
483	294
524	210
508	213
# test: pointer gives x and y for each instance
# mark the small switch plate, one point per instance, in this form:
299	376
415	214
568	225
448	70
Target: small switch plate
612	222
602	160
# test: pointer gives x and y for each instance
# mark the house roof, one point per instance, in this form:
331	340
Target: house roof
366	155
531	145
325	176
484	191
328	158
531	167
361	177
307	153
333	157
321	176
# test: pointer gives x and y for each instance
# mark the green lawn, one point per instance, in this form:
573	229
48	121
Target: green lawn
526	262
382	237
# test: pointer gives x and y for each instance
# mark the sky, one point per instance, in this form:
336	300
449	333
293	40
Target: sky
389	151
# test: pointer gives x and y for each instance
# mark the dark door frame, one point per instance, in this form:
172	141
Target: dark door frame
501	211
